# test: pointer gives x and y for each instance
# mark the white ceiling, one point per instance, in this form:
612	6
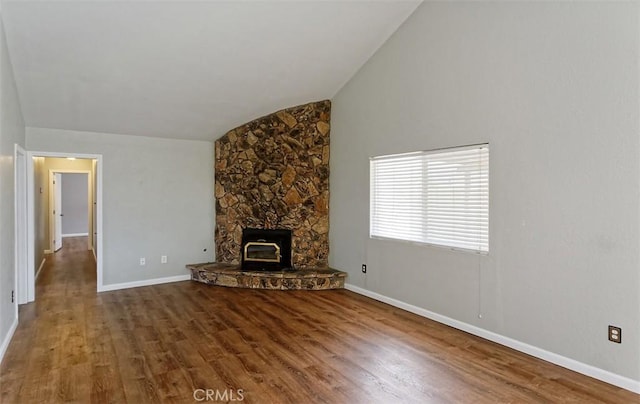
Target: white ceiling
186	69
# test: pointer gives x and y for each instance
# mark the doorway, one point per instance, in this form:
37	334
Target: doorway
70	205
40	210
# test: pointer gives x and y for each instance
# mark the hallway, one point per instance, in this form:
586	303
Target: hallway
72	270
54	348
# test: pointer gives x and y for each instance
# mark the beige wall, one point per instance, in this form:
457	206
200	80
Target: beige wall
42	206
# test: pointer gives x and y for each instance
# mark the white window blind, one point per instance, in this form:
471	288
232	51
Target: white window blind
438	197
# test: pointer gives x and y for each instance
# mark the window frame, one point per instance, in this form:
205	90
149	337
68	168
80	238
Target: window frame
425	196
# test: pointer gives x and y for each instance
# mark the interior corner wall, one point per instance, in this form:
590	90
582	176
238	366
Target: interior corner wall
157	200
554	88
12	132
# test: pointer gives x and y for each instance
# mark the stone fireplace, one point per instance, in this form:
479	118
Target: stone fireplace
272	204
273	173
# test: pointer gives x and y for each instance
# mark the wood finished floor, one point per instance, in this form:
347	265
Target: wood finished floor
159	343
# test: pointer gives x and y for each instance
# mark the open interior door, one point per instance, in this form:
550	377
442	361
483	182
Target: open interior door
94	199
57	213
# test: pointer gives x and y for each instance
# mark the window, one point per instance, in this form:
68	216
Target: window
436	197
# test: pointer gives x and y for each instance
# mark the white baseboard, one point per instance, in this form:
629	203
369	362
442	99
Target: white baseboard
147	282
95	257
48	251
40	268
576	366
75	235
7	339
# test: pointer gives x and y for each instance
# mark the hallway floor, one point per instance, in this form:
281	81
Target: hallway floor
40	352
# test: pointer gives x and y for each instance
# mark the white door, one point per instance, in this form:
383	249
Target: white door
57	214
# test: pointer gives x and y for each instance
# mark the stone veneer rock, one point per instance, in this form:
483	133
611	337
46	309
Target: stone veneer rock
230	275
273	173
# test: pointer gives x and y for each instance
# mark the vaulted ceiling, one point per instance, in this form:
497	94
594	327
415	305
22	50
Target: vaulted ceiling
185	69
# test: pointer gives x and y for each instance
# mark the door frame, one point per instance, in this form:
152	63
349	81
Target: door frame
52	172
21	236
55	210
29	274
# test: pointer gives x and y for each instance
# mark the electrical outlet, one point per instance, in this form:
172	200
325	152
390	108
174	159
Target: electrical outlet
615	334
163	259
364	268
143	261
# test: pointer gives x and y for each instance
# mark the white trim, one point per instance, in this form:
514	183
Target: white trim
576	366
147	282
98	220
29	276
21	218
40	268
75	235
48	251
7	339
30	213
93	250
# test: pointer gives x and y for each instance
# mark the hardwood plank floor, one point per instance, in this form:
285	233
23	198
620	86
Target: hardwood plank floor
160	343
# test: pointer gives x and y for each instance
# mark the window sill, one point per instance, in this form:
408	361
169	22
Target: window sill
439	246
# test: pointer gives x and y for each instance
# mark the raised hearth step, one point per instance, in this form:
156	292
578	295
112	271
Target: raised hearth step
231	275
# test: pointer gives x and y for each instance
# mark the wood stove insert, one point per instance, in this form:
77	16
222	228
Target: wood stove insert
266	249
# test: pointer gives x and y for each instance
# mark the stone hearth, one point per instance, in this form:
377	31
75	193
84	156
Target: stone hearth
231	275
